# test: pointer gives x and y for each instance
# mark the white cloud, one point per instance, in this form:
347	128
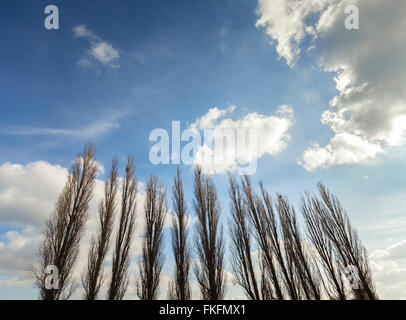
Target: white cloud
210	118
389	270
344	148
284	22
396	251
16	253
104	52
81	31
368	67
100	50
22	201
270	134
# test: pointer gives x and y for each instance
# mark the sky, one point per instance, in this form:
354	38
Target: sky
328	104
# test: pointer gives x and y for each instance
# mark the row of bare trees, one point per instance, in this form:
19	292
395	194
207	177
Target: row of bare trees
271	257
328	261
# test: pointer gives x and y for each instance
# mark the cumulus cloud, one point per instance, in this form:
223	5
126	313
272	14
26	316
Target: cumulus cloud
389	270
23	207
367	64
100	50
395	251
22	202
233	143
284	22
344	148
17	251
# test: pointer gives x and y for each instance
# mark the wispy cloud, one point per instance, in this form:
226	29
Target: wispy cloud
95	129
100	50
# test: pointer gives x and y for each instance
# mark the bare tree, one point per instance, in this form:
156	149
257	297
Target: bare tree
152	257
121	256
288	267
209	239
180	287
60	241
307	275
264	225
284	262
93	278
241	246
348	247
333	270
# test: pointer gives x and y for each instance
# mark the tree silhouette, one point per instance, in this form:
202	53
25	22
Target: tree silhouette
152	257
60	240
93	278
121	256
180	287
209	241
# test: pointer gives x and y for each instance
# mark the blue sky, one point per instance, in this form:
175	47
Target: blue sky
176	60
